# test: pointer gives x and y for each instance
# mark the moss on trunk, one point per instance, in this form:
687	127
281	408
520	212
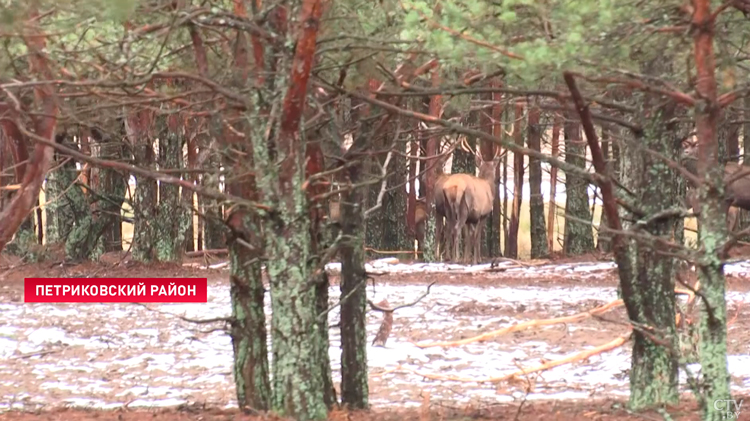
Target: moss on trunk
647	276
248	333
536	200
172	218
144	205
579	238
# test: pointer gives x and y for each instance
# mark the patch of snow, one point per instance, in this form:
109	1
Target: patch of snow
125	351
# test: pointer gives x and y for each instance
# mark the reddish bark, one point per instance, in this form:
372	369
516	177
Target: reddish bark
493	126
294	100
16	142
201	59
28	195
243	184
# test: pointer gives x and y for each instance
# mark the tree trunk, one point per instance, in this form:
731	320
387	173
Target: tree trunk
496	220
603	239
552	211
712	229
354	386
246	245
646	276
60	216
433	144
511	247
298	383
83	242
188	197
113	188
579	238
536	200
144	206
172	219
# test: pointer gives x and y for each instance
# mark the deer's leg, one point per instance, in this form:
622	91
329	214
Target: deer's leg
439	232
468	231
477	242
457	229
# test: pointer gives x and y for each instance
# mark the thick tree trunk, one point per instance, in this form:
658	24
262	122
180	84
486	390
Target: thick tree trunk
112	187
171	218
354	386
83	242
60	216
299	386
247	296
713	229
646	276
579	238
245	237
144	206
536	200
31	174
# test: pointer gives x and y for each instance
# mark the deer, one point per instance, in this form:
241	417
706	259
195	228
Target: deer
468	202
736	188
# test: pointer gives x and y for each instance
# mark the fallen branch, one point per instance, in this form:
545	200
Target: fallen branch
583	355
525	325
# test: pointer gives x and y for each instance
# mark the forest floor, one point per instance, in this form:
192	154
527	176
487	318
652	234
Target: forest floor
127	361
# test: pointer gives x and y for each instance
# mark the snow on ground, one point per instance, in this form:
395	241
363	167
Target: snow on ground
109	355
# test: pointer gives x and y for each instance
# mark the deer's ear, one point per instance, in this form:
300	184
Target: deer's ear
478	160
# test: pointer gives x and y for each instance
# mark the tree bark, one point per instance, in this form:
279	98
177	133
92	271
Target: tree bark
579	238
536	200
144	206
646	276
552	210
713	228
511	246
298	387
32	176
354	386
172	218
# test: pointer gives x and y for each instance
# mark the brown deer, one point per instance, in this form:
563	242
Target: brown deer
468	202
736	188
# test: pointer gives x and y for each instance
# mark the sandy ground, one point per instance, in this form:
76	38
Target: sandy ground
131	358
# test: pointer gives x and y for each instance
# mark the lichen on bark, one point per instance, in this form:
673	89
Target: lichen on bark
647	276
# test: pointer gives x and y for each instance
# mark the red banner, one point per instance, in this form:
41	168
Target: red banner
115	290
